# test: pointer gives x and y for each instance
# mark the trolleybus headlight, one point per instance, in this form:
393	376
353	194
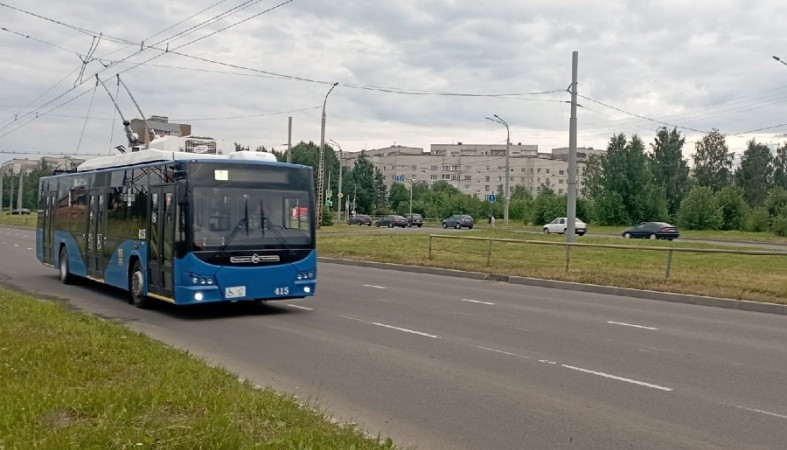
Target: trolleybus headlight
210	281
307	289
311	274
202	281
195	280
198	296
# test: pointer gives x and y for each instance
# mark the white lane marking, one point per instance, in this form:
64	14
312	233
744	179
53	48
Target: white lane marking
419	333
305	308
613	377
16	245
374	286
469	300
352	318
4	242
29	248
767	413
502	352
632	325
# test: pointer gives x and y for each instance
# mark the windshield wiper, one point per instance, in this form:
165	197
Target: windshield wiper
231	236
279	237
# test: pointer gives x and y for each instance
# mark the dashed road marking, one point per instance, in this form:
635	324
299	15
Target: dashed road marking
615	377
632	325
502	352
305	308
760	411
469	300
406	330
374	286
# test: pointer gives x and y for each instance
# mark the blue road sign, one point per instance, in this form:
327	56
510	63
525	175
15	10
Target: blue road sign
398	177
491	198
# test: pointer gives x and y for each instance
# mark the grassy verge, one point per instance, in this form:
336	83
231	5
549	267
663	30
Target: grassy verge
75	381
27	220
758	278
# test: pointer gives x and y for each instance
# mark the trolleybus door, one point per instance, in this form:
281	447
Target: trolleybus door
49	210
96	233
162	239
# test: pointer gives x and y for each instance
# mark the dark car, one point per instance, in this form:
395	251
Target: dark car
652	230
414	220
360	219
392	221
458	221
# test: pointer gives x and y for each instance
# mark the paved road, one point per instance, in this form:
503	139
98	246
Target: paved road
456	363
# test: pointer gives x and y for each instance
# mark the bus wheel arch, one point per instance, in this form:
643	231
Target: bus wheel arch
136	285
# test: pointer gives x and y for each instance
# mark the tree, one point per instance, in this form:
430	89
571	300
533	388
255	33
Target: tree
363	177
241	147
733	208
780	166
619	183
668	168
712	161
699	210
755	172
547	206
380	198
399	198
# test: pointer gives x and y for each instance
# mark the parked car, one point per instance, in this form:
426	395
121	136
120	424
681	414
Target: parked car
360	219
20	211
392	221
560	225
458	221
652	230
414	220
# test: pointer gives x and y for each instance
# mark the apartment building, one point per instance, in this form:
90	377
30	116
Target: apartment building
478	169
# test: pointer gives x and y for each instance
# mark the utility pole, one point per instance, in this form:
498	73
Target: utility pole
289	139
507	192
21	186
571	207
321	165
411	197
1	188
339	195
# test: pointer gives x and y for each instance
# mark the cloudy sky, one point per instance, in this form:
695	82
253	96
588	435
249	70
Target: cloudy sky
409	73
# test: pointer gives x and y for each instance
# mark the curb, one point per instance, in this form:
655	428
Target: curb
716	302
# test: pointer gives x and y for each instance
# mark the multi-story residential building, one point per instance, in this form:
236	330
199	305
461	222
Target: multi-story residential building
478	169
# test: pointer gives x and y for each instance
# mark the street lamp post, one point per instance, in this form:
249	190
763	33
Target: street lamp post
341	164
321	165
506	191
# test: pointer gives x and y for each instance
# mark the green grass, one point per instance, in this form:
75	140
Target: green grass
71	380
27	221
758	278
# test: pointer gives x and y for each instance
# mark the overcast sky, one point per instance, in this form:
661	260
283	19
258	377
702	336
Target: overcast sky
410	73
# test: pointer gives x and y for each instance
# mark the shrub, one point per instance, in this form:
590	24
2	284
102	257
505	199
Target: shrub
699	210
757	220
779	224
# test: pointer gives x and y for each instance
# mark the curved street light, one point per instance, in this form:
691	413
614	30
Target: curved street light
320	167
506	193
780	60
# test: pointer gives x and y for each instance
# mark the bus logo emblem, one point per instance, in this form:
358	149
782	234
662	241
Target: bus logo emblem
254	259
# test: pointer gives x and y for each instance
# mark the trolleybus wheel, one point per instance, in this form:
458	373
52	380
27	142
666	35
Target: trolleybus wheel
64	275
136	287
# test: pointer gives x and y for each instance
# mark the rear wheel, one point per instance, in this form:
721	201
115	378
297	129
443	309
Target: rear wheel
64	275
419	225
458	226
652	236
136	287
390	225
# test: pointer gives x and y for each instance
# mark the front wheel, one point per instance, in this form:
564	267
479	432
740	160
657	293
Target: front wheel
627	235
652	237
419	225
470	227
136	287
458	226
546	230
64	275
390	225
445	225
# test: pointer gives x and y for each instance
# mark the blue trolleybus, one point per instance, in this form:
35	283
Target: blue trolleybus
181	227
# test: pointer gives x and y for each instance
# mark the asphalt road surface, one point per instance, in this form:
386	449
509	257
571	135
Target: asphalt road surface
439	362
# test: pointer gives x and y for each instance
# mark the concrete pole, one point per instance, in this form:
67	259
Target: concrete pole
571	213
339	195
1	188
507	196
289	139
321	164
21	187
411	197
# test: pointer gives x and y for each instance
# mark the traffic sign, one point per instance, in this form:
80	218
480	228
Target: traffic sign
328	193
340	195
398	177
491	198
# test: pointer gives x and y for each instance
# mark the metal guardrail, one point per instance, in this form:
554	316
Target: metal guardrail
569	245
